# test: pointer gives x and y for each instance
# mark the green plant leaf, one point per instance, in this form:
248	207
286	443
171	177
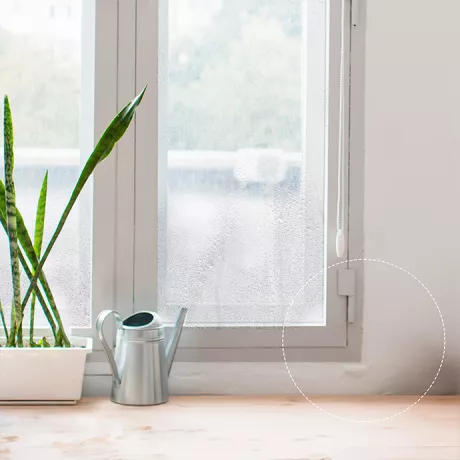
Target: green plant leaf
10	195
44	343
23	234
2	317
38	240
40	217
39	295
106	143
26	243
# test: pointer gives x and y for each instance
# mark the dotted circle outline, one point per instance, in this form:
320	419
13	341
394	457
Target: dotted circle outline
365	259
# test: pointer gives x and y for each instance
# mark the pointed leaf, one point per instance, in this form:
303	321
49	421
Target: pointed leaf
10	196
38	240
40	217
107	142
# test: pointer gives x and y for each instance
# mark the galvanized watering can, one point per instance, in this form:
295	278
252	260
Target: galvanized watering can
141	362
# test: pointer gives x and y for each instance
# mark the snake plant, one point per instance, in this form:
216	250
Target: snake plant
27	254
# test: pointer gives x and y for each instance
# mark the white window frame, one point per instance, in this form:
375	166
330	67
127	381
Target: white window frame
108	83
129	50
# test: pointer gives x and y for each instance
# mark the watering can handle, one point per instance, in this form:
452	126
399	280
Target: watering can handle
99	327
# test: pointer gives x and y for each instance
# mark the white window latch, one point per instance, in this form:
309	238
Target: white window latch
346	287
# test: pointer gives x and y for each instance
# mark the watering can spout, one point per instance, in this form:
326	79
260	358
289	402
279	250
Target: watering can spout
172	345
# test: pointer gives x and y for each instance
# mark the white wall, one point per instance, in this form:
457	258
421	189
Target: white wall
411	215
412	190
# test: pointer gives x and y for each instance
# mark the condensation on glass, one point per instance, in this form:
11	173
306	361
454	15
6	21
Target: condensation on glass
40	65
246	161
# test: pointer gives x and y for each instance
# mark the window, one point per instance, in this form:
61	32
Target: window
221	196
244	134
40	70
245	224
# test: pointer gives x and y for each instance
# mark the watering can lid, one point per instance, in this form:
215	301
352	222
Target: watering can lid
143	320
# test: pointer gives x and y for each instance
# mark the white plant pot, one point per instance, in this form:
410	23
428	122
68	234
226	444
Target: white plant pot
43	375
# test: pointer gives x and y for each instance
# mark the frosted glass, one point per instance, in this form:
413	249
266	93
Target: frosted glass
40	46
245	199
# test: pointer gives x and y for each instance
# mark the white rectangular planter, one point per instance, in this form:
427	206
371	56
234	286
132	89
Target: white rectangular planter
43	375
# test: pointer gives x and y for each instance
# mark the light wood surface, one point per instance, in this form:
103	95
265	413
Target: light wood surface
231	427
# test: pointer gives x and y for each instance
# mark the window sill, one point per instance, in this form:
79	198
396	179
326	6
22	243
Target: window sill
254	427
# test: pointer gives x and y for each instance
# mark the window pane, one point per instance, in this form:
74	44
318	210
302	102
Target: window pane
245	226
40	48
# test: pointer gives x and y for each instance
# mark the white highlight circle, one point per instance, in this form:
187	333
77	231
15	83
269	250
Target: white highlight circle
443	350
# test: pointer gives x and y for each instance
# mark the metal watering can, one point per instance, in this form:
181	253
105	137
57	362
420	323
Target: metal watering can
140	364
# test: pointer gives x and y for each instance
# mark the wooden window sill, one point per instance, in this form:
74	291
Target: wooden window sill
235	427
